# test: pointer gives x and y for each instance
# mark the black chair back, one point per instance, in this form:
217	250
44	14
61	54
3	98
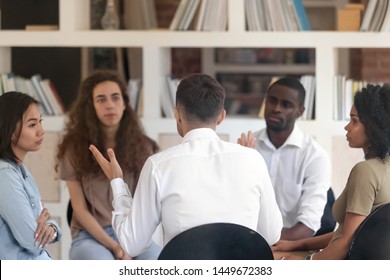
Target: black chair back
372	238
328	223
217	241
69	213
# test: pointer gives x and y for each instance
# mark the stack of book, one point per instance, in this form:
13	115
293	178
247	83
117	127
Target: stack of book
41	89
200	15
276	15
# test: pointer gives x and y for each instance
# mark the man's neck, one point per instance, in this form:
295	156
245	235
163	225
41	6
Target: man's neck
278	138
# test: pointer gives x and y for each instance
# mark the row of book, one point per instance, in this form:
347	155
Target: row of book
308	82
376	16
344	90
200	15
41	89
276	15
211	15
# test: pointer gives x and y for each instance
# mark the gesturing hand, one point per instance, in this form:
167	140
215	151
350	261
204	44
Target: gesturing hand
247	140
110	168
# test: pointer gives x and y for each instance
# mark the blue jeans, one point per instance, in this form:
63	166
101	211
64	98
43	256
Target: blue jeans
86	247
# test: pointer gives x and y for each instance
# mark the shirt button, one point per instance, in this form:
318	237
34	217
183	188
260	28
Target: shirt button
32	204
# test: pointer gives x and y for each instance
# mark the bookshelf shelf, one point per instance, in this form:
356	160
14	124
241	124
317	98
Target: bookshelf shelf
168	39
156	45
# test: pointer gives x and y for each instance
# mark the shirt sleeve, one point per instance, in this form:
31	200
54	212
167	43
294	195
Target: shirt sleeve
136	219
59	231
16	210
270	221
361	188
314	191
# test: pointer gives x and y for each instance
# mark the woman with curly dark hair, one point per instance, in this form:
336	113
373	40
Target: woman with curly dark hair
368	182
101	115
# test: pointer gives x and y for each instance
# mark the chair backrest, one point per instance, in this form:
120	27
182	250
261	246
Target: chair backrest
328	223
372	238
69	213
217	241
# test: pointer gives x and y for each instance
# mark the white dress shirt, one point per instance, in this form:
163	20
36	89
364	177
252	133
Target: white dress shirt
300	172
202	180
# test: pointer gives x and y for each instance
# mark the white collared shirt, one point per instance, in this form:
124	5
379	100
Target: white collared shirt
202	180
300	172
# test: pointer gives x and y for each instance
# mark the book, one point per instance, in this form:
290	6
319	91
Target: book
53	97
301	15
179	14
133	88
41	27
199	20
36	81
368	14
386	21
309	83
173	83
189	15
262	107
290	16
20	84
379	15
8	81
30	90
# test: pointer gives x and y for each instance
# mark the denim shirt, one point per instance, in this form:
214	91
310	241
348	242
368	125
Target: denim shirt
20	206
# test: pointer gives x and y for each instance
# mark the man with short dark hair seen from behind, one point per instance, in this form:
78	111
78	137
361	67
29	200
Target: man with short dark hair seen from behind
202	180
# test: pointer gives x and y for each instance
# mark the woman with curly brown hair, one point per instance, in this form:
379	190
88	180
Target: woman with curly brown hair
101	115
368	182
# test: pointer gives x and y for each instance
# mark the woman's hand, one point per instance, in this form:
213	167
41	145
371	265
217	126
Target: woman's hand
44	234
119	253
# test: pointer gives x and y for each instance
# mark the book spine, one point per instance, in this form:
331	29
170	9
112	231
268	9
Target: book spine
301	15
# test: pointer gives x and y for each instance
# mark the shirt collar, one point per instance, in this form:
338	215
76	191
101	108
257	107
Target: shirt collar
199	133
295	139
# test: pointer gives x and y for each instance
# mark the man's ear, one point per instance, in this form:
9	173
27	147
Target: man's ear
221	116
301	110
176	113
